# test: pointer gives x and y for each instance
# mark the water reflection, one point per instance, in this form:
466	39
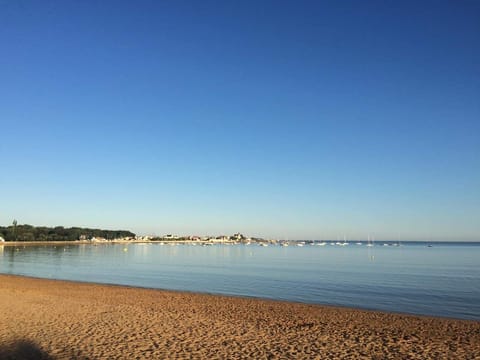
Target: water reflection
410	278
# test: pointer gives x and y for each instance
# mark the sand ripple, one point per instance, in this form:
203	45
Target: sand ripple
64	320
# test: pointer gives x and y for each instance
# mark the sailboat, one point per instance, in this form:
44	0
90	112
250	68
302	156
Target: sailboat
345	243
369	243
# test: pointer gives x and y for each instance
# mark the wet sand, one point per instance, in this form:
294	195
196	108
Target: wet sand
65	320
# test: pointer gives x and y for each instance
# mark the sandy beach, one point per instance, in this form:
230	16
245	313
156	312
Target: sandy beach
65	320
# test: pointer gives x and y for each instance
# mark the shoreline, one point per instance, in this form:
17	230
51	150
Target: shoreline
209	242
245	297
443	310
113	242
66	319
76	242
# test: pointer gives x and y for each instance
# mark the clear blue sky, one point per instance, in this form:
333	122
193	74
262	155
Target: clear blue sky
300	119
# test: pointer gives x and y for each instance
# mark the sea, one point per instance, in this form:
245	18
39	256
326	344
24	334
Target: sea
435	279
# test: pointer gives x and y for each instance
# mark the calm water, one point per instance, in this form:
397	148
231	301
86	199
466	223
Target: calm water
442	280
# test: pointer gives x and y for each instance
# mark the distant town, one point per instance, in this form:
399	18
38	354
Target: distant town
28	233
237	238
23	234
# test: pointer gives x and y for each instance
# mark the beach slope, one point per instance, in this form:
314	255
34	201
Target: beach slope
65	320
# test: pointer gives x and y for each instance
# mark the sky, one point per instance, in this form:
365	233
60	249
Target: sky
278	119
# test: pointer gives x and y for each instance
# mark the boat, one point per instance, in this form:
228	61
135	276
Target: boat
345	243
369	242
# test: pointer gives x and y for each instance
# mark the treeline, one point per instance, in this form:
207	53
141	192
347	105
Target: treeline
59	233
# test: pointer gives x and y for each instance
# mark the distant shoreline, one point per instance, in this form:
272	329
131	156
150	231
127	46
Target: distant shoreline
78	242
88	242
378	243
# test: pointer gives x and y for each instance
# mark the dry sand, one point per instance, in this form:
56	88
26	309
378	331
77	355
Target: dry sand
65	320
